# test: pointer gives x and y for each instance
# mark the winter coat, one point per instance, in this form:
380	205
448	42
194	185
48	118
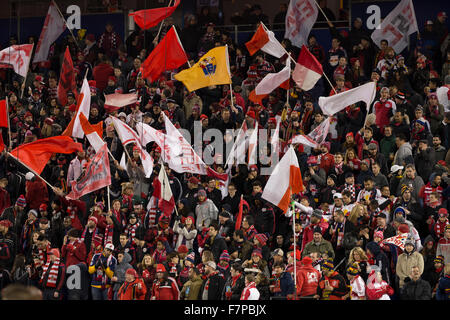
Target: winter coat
425	161
416	290
403	155
233	292
37	193
324	246
204	213
212	287
135	290
184	234
443	289
216	246
307	280
191	289
120	271
404	264
74	253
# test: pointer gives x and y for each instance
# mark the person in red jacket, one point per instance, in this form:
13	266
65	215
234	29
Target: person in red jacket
102	72
133	288
307	278
53	276
164	287
326	159
315	220
384	109
36	191
73	249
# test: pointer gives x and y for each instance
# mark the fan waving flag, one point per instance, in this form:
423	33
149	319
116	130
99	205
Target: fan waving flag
399	24
115	101
36	154
212	69
270	83
265	40
149	18
307	70
94	137
398	240
335	103
96	176
54	26
66	79
17	57
127	136
84	106
162	191
239	217
286	180
169	54
300	18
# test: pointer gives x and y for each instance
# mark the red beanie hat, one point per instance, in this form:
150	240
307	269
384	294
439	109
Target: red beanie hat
132	272
160	268
403	228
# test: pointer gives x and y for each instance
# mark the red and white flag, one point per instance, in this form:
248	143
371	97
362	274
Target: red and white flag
270	83
285	180
127	136
315	137
115	101
54	26
96	176
307	70
398	240
265	40
74	128
300	18
162	191
275	140
399	24
337	102
17	57
94	137
237	151
253	146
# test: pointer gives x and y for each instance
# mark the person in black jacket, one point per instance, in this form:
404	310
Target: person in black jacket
212	287
215	243
425	160
234	285
226	226
380	259
416	288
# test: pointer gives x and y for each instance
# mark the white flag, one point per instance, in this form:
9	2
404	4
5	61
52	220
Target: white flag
238	149
273	80
334	104
127	136
54	26
275	140
253	146
315	137
397	26
17	57
300	18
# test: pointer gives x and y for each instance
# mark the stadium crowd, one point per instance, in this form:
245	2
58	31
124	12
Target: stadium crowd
382	171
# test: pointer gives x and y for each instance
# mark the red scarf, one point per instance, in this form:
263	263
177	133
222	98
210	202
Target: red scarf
246	292
52	275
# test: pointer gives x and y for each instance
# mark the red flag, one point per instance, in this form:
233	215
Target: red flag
66	79
307	70
242	203
3	114
259	40
2	144
149	18
96	176
168	55
36	154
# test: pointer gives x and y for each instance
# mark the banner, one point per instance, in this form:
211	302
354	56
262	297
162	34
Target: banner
300	18
398	240
96	176
397	26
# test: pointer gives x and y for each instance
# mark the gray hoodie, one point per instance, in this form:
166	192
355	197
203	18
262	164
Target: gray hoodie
404	152
121	269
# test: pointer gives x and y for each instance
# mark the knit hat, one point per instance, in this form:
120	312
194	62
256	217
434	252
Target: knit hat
312	161
201	192
54	252
6	223
317	213
132	272
43	220
443	212
439	259
21	202
328	265
307	261
191	257
193	180
298	254
447	227
403	228
399	209
183	249
353	270
317	229
262	238
75	233
43	207
93	219
33	212
225	256
257	252
379	234
211	264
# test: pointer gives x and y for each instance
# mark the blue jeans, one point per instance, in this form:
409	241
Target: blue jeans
99	294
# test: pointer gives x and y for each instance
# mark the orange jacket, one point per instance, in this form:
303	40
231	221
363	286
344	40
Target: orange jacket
135	290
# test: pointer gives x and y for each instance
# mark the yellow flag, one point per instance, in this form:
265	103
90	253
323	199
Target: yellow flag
212	69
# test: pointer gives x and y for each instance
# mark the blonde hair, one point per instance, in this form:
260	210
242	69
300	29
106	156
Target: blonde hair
207	256
359	251
447	268
354	214
346	154
143	265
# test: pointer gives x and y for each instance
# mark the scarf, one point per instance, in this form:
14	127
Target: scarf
83	235
246	292
52	271
338	234
43	256
130	230
351	188
108	237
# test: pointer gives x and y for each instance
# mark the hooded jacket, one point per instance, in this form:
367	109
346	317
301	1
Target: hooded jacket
205	212
404	154
307	280
120	271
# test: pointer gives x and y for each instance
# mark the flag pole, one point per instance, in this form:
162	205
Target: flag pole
65	22
162	23
265	28
9	125
34	172
295	245
322	12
